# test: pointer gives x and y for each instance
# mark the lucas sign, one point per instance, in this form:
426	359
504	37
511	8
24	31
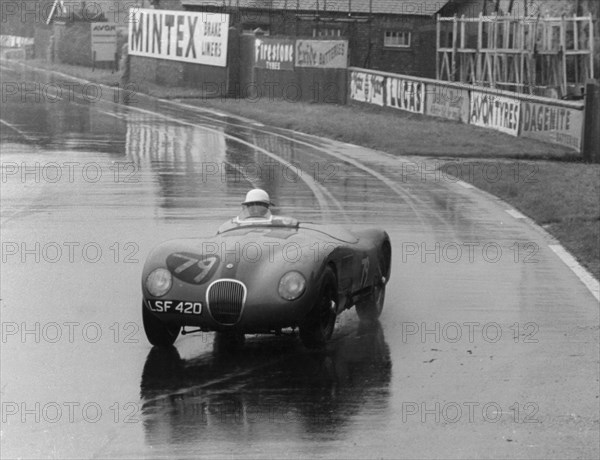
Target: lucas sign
104	41
405	94
199	38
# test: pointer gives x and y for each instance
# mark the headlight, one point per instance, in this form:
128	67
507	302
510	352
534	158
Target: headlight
159	282
292	285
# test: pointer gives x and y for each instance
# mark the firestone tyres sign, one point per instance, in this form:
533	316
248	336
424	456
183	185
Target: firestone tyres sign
199	38
274	53
104	41
495	112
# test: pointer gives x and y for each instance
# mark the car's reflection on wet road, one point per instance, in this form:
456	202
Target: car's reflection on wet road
231	397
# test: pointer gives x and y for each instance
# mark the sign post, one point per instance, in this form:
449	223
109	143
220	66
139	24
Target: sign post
592	123
104	42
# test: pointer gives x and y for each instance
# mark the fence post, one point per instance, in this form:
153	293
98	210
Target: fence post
591	130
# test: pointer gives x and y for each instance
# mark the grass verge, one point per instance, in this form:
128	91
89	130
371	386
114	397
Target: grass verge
562	195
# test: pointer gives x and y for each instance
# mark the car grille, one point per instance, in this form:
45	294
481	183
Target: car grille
225	300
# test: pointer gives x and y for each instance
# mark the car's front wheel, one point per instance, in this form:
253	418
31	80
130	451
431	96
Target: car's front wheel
317	327
158	333
370	308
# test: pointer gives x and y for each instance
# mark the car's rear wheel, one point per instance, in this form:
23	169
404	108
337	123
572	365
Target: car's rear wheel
158	333
370	309
317	327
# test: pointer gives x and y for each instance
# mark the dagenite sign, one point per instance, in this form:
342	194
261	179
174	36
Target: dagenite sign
559	125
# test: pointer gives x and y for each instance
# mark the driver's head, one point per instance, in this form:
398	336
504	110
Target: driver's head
257	203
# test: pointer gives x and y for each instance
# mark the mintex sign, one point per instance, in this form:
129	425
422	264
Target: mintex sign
199	38
104	41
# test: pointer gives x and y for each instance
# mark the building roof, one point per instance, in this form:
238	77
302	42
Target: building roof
89	9
399	7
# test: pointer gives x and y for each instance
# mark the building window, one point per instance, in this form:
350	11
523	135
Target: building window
327	32
396	39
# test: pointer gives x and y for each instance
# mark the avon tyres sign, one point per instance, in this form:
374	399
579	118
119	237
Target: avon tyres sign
559	125
199	38
496	112
325	54
274	53
104	41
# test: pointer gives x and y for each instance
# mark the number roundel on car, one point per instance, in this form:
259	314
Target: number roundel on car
192	268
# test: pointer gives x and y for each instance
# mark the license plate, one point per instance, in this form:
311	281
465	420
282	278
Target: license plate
175	306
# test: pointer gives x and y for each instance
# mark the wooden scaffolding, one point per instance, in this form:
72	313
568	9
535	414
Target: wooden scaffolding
542	55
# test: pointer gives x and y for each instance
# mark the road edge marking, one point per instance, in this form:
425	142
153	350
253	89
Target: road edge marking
586	277
588	280
516	214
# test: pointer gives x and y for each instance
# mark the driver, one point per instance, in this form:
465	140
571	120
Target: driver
256	205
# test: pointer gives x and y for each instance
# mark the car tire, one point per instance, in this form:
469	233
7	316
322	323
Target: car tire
158	333
370	308
317	327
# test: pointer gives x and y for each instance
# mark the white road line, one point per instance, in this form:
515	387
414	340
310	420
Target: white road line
516	214
464	184
20	132
586	278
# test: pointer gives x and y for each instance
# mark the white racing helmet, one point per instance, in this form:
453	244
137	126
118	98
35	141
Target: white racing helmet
257	195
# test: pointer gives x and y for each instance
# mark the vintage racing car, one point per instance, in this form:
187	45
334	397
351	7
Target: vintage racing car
261	276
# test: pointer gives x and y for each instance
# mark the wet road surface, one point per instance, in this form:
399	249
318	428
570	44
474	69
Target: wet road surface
487	346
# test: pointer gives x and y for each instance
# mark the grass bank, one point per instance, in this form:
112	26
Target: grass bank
398	133
550	185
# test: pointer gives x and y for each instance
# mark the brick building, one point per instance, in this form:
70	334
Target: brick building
388	35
